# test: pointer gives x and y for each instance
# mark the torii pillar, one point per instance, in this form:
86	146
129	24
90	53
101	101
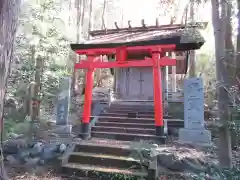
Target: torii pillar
88	99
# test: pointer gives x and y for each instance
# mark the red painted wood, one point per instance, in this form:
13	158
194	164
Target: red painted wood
165	61
158	109
88	93
121	54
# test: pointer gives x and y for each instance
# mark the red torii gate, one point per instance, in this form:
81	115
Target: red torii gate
121	52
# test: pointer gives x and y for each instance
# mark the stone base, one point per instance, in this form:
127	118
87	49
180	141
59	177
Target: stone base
161	139
196	136
62	129
85	133
159	130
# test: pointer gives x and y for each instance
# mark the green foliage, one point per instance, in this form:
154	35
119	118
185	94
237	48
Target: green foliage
205	68
217	174
41	33
234	121
15	126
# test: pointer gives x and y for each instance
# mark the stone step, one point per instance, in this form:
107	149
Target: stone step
114	148
119	110
129	125
99	172
106	160
124	106
126	115
178	123
126	120
127	136
125	130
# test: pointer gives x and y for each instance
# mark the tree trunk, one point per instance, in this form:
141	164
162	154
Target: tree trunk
38	75
83	12
231	62
9	11
90	23
75	86
79	13
238	44
98	71
103	14
219	25
184	15
192	67
237	70
231	66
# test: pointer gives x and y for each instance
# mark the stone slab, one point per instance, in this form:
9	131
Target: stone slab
62	129
193	103
63	102
194	136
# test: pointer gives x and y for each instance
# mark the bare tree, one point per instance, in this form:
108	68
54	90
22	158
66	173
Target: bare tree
238	43
9	11
185	15
98	71
90	22
103	14
80	6
83	7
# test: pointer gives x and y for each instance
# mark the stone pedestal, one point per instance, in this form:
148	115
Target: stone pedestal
195	136
194	131
62	129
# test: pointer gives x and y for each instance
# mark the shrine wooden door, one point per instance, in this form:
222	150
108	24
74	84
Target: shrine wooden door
135	83
146	79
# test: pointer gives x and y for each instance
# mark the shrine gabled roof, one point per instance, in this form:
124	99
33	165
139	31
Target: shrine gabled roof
184	39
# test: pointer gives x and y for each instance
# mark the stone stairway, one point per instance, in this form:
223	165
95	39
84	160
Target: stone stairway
129	123
103	159
108	154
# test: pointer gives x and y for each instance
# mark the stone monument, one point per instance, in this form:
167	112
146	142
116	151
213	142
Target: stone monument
194	130
63	104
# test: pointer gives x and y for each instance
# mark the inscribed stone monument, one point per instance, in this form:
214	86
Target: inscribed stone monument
63	102
194	131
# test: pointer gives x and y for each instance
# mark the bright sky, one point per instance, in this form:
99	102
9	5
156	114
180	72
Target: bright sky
135	10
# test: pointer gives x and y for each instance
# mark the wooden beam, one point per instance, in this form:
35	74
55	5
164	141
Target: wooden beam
165	61
110	51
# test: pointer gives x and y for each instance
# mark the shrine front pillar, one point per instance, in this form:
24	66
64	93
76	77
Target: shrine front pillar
165	89
174	72
157	85
87	101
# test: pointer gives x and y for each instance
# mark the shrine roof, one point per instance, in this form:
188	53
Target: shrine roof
184	38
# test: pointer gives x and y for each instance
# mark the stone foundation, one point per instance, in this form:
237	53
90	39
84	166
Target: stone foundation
196	136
